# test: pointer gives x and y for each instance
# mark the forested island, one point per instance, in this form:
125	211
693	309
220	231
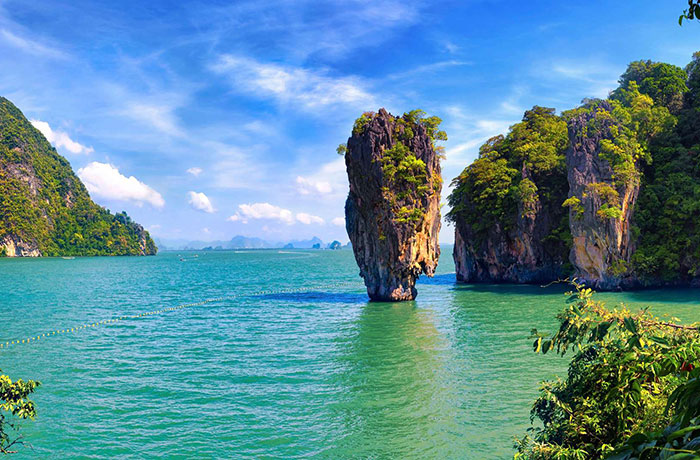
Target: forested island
45	210
608	192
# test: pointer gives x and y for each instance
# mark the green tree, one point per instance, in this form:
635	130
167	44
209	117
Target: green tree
14	406
626	368
692	12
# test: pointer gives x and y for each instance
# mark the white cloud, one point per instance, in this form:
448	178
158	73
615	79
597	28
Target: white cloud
255	211
105	180
159	116
200	202
307	88
427	68
60	139
339	221
195	171
31	46
262	211
308	219
586	76
330	179
308	186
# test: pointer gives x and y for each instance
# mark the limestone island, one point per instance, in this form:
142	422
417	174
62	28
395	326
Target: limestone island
45	210
392	212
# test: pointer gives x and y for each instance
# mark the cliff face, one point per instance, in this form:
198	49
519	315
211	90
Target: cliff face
602	247
521	254
392	212
45	209
508	225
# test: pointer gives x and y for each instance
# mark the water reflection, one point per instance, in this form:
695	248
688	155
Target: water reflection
398	399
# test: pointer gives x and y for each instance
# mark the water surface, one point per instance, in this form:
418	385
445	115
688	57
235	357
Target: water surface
315	374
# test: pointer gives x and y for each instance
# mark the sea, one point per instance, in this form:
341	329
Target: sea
275	354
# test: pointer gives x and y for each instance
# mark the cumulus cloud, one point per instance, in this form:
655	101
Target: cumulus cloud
308	186
327	180
60	139
309	219
195	171
305	87
339	221
200	202
269	211
262	211
105	180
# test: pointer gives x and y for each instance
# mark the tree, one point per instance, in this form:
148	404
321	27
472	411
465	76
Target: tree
14	405
693	12
630	378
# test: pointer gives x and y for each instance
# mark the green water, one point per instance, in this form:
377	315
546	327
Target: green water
320	374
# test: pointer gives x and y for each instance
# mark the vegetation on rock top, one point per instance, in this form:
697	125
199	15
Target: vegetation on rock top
649	133
42	202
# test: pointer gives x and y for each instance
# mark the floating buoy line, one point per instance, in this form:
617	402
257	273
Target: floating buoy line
72	330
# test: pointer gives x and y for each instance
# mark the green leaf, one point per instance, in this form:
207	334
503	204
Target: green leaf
682	432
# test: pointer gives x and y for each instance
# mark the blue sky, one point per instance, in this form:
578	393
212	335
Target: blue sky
205	120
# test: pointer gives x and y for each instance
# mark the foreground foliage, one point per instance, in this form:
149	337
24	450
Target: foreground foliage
632	389
14	406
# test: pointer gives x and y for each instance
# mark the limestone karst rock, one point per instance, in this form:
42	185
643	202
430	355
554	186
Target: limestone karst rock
506	205
601	245
392	211
45	210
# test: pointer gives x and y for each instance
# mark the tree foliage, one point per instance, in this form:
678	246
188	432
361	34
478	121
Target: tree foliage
692	12
628	376
14	406
516	171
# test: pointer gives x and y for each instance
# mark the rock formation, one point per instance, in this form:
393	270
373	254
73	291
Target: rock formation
45	210
522	254
506	206
392	212
601	245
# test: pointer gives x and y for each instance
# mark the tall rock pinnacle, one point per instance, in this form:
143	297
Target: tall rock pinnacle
392	212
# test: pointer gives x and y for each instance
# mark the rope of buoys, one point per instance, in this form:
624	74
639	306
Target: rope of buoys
118	319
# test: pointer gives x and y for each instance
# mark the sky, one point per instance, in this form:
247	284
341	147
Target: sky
209	119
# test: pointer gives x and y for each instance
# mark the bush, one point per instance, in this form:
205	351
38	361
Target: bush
14	405
631	377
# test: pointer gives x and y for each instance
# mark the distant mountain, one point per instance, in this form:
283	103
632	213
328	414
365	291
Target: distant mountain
244	242
45	210
306	244
239	242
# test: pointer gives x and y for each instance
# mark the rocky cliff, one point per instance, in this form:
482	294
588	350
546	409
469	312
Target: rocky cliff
45	209
604	202
608	192
507	226
392	211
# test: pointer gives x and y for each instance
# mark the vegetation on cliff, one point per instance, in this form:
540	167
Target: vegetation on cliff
647	131
407	182
631	389
45	205
525	166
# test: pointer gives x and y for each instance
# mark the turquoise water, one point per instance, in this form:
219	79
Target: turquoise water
320	373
